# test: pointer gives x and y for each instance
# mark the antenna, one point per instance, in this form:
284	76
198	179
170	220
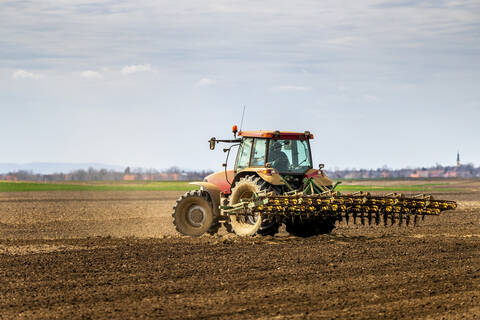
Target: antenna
243	114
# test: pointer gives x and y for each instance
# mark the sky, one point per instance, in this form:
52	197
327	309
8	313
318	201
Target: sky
146	83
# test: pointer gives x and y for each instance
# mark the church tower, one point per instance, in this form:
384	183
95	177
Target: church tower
458	159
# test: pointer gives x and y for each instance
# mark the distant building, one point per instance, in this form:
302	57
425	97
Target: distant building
458	159
451	174
421	173
129	177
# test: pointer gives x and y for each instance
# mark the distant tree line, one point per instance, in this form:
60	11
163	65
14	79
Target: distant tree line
173	173
438	171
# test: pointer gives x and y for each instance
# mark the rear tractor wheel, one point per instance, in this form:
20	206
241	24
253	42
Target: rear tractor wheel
193	214
253	224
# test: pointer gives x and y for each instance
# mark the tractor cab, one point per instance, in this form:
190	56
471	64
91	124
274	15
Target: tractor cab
287	152
281	158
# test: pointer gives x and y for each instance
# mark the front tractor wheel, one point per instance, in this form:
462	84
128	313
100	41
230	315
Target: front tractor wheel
193	214
249	225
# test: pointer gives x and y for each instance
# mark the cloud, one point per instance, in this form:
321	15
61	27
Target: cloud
370	98
344	41
291	88
22	74
89	74
137	68
204	82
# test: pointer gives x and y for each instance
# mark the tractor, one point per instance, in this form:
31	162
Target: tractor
273	182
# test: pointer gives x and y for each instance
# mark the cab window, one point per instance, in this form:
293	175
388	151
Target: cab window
244	153
292	156
258	156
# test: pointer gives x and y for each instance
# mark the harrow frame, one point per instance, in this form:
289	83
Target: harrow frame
319	202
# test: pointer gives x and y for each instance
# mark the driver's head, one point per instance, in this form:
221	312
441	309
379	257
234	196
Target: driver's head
277	146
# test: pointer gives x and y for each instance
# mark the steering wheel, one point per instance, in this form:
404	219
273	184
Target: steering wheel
298	165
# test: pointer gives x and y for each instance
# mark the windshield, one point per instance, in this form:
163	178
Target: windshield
289	156
244	153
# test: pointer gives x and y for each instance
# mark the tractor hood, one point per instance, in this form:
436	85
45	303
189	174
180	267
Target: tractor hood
219	179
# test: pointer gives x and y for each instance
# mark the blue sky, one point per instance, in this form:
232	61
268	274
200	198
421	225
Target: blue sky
147	83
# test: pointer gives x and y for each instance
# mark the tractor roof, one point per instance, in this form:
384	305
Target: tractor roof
275	134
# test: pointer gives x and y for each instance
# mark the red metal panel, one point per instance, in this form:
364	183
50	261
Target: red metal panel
271	134
312	174
218	179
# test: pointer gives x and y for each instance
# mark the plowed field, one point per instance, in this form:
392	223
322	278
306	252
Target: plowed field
116	255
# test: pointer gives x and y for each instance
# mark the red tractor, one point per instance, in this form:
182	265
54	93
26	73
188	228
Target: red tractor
273	182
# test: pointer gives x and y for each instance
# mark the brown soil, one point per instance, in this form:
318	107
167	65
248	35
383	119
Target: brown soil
116	255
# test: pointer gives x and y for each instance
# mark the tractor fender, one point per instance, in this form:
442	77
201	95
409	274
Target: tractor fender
319	177
274	179
214	193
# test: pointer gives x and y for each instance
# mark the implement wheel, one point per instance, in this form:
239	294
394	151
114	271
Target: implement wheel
253	224
193	214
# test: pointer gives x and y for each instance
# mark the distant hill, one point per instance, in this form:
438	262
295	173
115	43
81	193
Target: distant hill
53	167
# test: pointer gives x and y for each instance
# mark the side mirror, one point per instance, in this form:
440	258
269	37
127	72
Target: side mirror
321	166
212	143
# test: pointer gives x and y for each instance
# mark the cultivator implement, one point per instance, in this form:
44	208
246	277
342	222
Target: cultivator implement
332	205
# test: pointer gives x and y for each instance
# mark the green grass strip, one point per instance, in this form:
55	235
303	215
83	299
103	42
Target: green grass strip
410	188
6	186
